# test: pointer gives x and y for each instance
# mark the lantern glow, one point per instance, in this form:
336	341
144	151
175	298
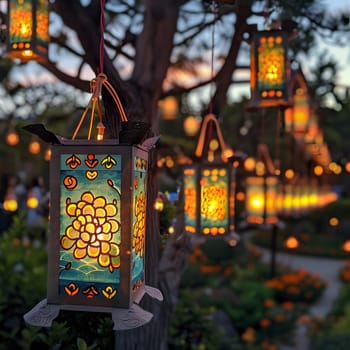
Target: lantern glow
261	200
28	29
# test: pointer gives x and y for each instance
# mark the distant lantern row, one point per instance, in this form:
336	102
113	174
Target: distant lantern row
266	200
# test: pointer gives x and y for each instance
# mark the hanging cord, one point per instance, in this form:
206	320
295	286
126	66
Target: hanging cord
102	38
96	90
278	142
214	8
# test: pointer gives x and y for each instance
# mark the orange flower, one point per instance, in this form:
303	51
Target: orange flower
248	335
269	303
279	317
288	305
264	323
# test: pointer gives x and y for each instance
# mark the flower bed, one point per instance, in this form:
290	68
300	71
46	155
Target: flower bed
298	286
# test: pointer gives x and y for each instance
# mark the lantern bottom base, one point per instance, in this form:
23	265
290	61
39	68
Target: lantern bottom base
43	313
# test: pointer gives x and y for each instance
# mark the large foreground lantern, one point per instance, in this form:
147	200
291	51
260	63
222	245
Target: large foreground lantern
209	185
269	69
28	29
97	227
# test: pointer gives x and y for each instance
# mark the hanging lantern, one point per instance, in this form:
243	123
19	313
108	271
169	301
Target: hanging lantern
292	242
209	185
297	116
28	29
169	108
10	203
192	125
12	137
97	225
261	200
269	69
34	147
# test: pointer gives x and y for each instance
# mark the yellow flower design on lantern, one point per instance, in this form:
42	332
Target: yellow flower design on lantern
91	232
138	241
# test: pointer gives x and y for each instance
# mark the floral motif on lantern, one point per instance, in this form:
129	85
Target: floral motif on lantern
92	230
138	241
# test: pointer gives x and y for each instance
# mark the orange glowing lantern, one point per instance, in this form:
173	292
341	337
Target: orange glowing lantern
98	203
12	137
10	203
169	108
209	185
261	200
192	125
269	69
292	242
298	116
28	29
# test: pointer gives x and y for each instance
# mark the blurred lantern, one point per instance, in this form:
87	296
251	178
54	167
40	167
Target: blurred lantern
346	246
261	200
297	117
28	29
10	201
261	191
97	225
249	164
169	108
269	69
34	147
32	201
159	202
209	185
47	155
12	137
291	242
192	125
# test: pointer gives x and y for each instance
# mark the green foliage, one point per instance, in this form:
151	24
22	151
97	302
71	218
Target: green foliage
250	309
192	327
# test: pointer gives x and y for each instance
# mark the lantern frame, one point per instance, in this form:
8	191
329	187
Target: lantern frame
209	187
28	30
269	69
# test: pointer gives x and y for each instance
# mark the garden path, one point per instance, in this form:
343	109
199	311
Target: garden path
328	270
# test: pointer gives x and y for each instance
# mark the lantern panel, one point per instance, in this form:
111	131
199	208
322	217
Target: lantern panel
28	29
97	224
270	71
209	200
